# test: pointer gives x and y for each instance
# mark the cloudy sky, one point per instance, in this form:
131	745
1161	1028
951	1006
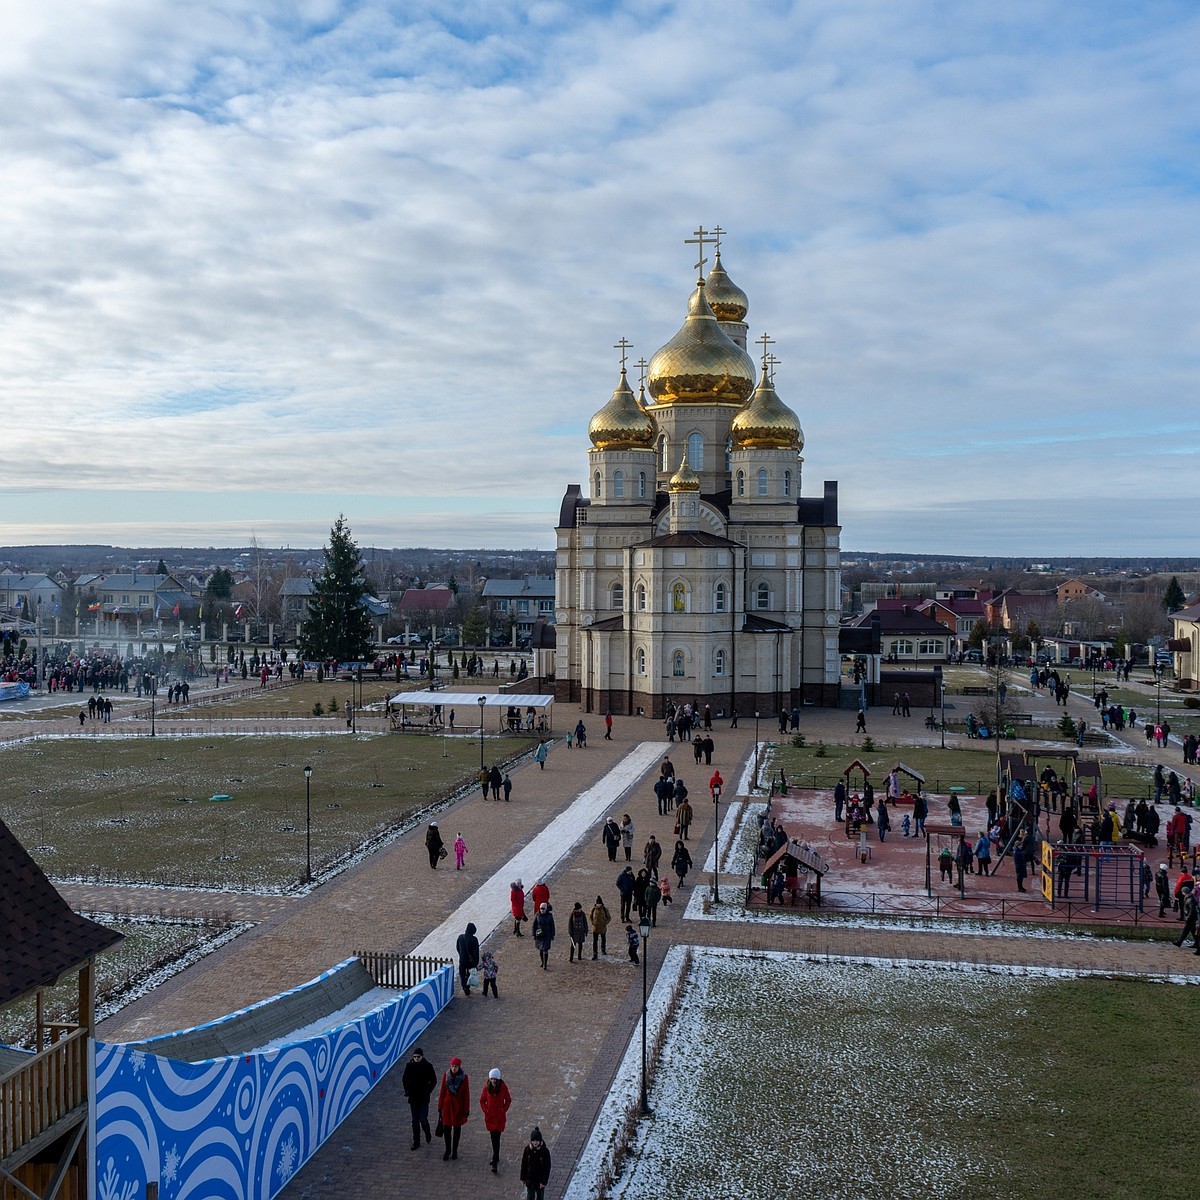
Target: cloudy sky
262	263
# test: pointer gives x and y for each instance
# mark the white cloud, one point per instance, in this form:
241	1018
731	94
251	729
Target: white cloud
252	248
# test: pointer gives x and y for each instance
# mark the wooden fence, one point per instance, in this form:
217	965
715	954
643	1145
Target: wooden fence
399	970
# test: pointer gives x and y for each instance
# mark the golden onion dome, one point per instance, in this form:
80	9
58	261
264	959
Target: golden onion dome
622	424
725	298
701	364
685	479
766	423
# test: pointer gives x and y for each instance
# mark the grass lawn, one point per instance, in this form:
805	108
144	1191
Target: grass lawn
972	769
149	946
295	700
844	1081
139	810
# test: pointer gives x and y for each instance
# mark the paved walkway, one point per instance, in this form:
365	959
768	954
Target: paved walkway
558	1035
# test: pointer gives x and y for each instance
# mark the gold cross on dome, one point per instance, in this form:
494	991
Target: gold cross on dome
623	345
641	365
701	236
773	362
765	341
718	233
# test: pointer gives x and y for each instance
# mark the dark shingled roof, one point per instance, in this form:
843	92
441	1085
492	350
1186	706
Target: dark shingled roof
690	538
41	938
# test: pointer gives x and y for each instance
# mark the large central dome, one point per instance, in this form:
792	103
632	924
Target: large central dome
701	364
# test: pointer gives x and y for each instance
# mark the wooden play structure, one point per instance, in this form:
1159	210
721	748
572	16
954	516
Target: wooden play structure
1099	876
795	868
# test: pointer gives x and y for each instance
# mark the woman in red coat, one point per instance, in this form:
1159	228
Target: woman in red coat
540	894
495	1102
454	1105
516	898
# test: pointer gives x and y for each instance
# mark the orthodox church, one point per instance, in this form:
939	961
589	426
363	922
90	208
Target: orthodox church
691	568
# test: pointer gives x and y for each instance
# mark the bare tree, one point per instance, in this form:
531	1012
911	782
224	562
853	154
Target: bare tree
1143	616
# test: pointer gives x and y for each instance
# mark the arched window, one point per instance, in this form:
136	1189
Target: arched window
641	661
641	597
696	451
719	598
618	596
719	663
762	596
664	454
679	598
641	485
787	483
762	481
677	664
619	485
902	648
596	485
741	483
728	455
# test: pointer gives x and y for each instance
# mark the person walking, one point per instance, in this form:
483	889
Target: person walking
639	891
599	919
627	832
454	1106
419	1080
539	755
608	726
625	882
861	724
983	853
460	852
1187	903
653	896
581	734
683	818
611	837
883	822
631	940
681	861
652	854
483	781
468	956
488	970
516	901
1162	887
535	1167
495	1100
1018	860
543	934
540	894
507	786
495	781
920	811
577	930
434	844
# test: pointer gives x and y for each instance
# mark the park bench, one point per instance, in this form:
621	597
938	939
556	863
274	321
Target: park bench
976	691
1020	718
436	685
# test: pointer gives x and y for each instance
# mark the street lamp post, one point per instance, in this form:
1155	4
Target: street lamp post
481	702
756	750
308	824
716	795
644	929
153	693
1158	671
928	866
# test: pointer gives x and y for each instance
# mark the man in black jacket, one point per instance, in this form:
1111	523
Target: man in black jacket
468	956
419	1080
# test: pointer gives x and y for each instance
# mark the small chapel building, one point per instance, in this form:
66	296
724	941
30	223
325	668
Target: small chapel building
691	569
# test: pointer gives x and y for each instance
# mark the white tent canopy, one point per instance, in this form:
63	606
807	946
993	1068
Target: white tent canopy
469	700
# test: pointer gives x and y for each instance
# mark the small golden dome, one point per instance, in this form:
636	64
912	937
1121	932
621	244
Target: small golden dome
685	479
725	298
701	364
622	424
766	423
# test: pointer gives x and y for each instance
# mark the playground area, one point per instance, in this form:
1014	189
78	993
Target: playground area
836	861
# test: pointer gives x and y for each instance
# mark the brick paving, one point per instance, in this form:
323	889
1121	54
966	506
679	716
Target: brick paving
557	1035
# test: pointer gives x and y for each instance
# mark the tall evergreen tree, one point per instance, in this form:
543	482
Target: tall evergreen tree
337	625
1173	598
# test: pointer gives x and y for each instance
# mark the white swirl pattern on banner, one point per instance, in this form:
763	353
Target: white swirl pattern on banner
239	1128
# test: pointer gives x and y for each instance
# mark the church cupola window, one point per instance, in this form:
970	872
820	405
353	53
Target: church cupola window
619	485
596	485
728	455
762	481
741	483
618	596
641	597
719	599
787	483
695	451
641	485
664	454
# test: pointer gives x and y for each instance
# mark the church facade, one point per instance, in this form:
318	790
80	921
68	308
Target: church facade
690	568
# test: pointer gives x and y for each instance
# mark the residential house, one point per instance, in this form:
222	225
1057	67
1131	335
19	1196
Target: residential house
18	590
1013	610
906	634
521	602
1185	646
1076	589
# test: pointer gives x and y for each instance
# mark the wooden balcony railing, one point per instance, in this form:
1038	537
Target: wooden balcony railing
43	1092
